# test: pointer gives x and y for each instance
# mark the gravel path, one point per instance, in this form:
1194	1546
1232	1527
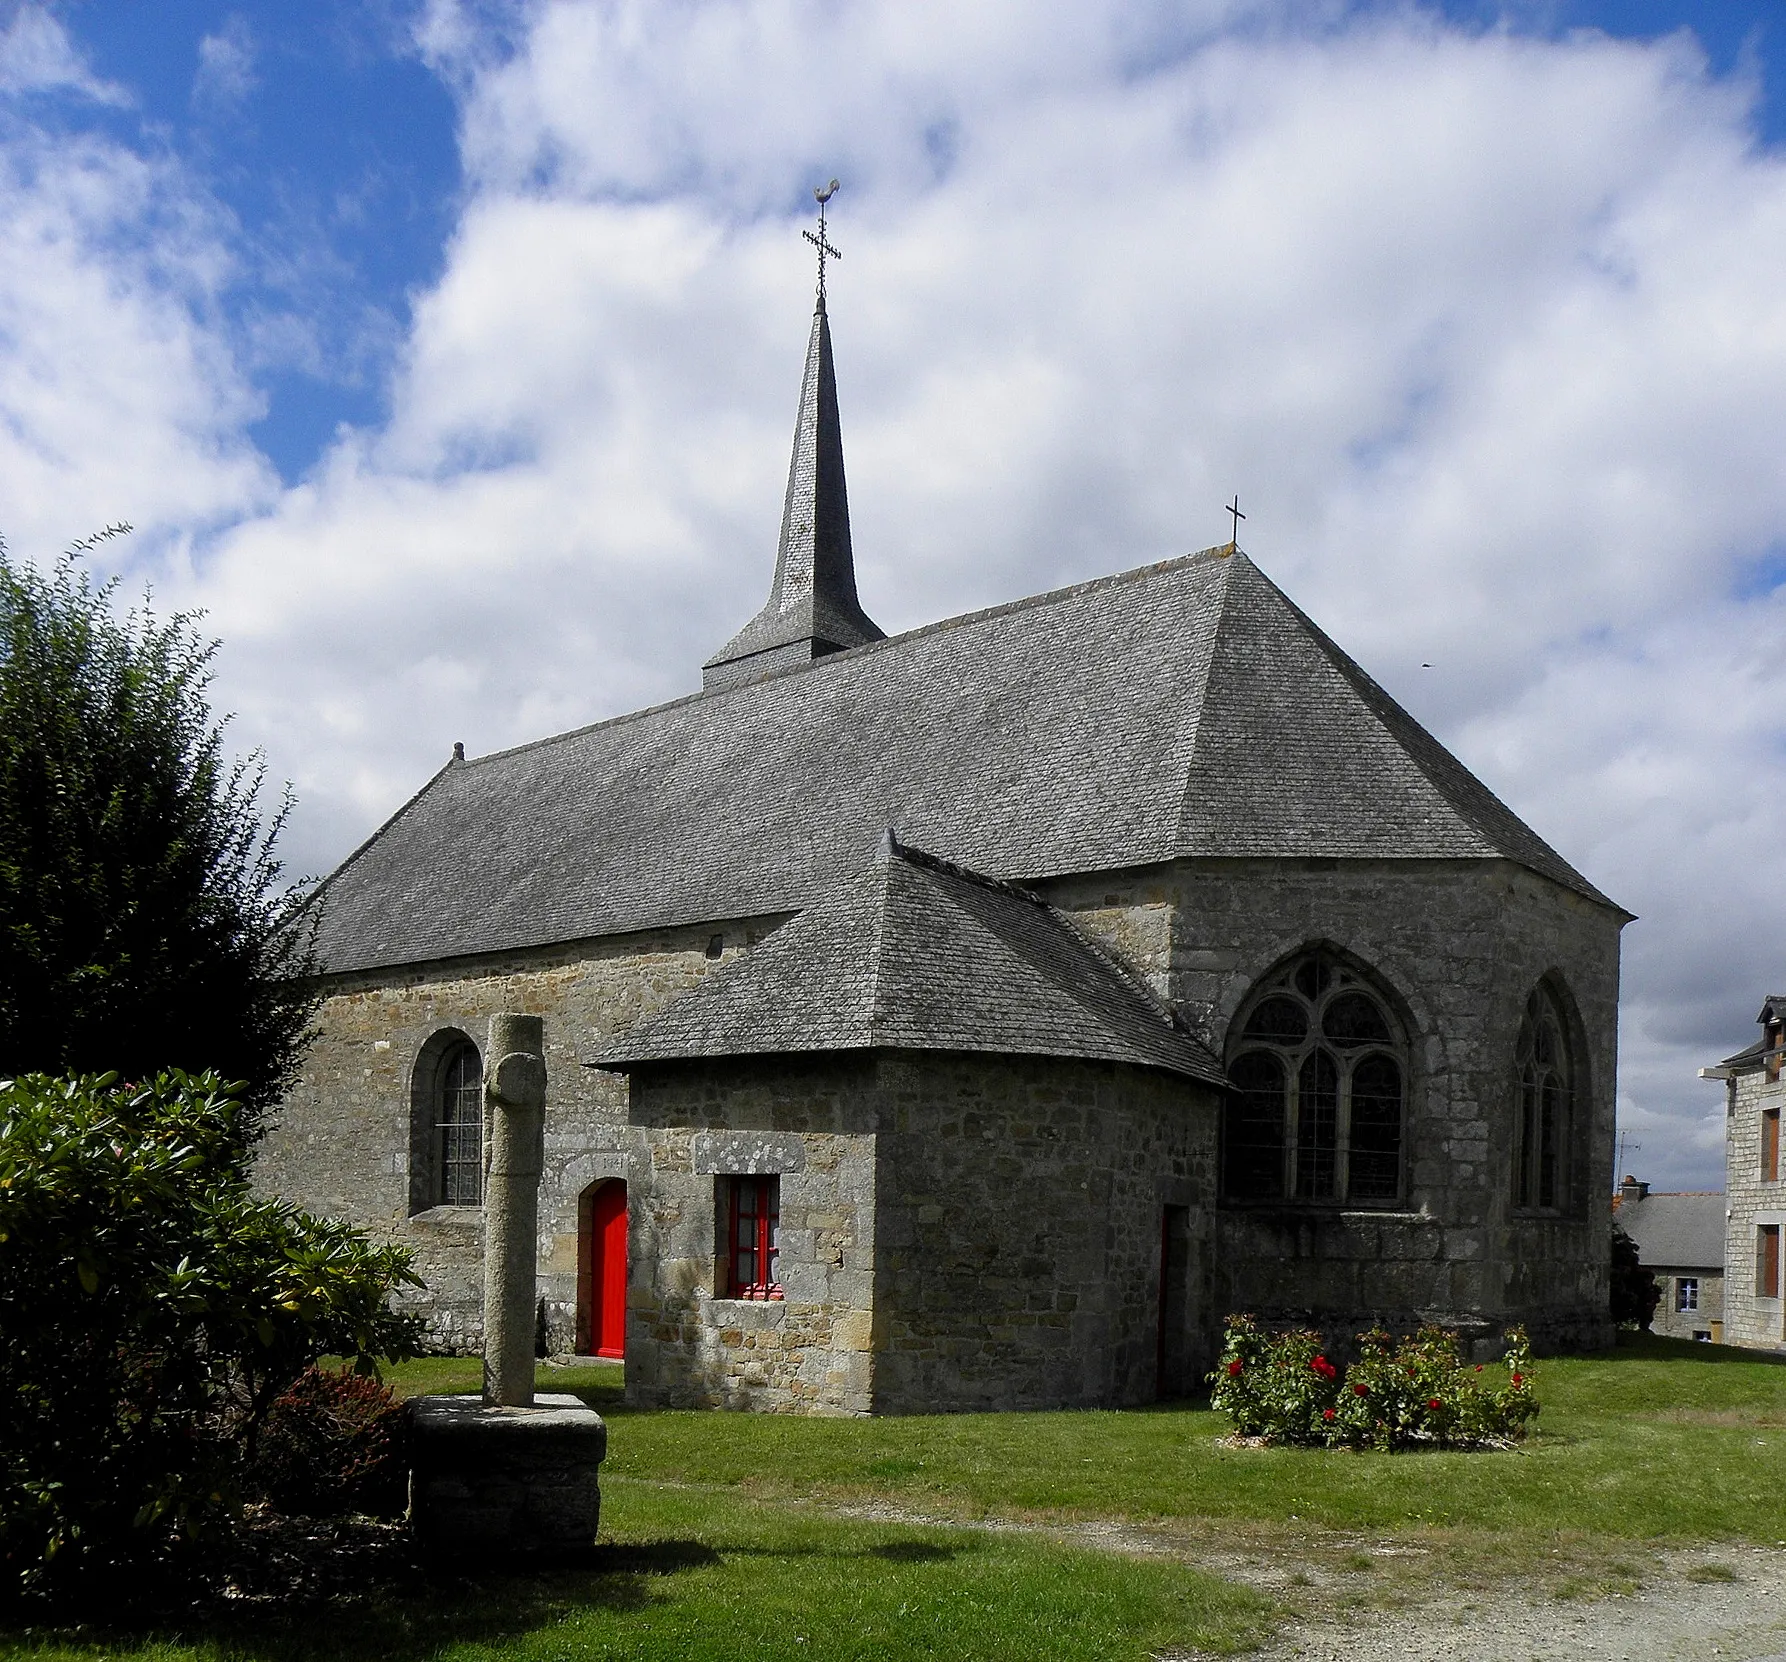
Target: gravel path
1669	1619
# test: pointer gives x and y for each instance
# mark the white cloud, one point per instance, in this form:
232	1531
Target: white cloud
37	56
225	74
119	398
1486	331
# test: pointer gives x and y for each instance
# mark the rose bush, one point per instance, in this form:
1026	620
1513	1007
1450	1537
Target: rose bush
1418	1393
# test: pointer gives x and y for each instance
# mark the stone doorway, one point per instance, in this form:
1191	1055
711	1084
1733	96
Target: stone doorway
601	1269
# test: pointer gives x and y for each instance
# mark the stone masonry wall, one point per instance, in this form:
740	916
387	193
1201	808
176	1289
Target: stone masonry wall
810	1121
341	1143
1459	945
1750	1320
1020	1209
1671	1323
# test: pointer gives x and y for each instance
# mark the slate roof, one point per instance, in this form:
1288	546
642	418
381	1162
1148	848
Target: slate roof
1684	1231
914	953
1182	709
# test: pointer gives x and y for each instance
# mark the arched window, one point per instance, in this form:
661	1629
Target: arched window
459	1128
1546	1092
1317	1073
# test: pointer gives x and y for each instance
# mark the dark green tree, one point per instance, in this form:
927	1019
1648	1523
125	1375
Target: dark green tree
1635	1291
143	921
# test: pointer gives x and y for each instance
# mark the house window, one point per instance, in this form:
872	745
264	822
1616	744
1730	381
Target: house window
459	1128
1317	1084
1541	1136
1771	1051
1686	1292
1770	1145
1767	1261
750	1225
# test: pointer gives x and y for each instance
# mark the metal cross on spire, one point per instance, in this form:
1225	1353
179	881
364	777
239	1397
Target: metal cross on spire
823	193
1233	510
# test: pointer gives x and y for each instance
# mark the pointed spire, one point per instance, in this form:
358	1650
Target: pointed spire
812	607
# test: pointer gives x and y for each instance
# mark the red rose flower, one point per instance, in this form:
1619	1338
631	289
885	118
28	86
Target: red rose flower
1434	1404
1519	1379
1234	1368
1326	1413
1360	1391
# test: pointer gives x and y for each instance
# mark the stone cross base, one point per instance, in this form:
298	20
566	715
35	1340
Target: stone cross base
505	1483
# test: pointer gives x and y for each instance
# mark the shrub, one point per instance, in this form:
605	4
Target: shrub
1419	1393
153	1309
332	1444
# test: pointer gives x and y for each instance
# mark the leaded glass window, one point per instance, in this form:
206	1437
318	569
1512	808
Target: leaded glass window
1316	1089
459	1128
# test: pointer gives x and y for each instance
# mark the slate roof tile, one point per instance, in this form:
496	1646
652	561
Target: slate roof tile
915	953
1676	1231
1181	709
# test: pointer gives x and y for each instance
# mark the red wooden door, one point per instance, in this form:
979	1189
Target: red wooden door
605	1244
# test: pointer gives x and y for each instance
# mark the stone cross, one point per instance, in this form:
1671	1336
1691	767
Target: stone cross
515	1107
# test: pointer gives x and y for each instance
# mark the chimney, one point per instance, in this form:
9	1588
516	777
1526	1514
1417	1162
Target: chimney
1631	1190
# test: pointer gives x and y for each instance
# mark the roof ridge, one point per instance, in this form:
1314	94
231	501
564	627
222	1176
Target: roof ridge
877	1014
1004	608
1202	704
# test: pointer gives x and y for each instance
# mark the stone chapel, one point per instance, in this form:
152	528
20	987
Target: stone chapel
973	1018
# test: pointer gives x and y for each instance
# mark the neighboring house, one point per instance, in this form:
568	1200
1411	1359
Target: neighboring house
1754	1195
975	1018
1680	1240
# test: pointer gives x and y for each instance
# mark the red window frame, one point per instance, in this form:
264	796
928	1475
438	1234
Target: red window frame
753	1238
1770	1145
1767	1261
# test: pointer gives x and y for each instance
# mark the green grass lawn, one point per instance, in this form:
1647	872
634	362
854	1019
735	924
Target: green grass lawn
720	1534
1658	1439
687	1577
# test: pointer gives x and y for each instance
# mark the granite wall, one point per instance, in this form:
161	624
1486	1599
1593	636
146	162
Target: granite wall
1021	1203
1457	946
957	1232
811	1122
341	1142
1751	1202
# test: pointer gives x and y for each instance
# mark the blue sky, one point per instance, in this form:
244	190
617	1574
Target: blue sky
331	145
444	354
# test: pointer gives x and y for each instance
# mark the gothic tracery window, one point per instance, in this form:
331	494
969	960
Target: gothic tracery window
1541	1136
1317	1085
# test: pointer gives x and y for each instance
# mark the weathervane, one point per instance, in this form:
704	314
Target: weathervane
823	194
1233	509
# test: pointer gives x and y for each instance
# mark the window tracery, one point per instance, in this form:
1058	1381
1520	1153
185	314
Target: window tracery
1317	1088
1541	1137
